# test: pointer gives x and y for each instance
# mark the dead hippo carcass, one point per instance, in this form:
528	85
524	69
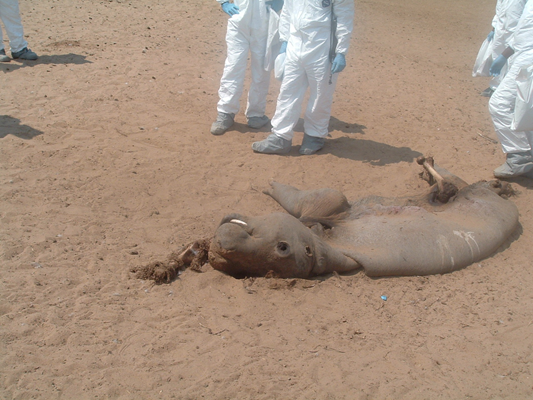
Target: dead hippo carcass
449	227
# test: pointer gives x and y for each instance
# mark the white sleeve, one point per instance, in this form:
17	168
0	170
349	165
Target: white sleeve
285	21
522	39
344	11
513	14
498	15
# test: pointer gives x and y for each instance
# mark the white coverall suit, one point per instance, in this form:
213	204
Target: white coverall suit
502	102
10	16
508	14
247	32
306	27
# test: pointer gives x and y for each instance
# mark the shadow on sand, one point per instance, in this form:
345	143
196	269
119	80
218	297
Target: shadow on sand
12	126
46	59
356	149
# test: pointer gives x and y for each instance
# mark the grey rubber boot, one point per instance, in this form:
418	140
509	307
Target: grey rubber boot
258	122
311	144
272	145
223	122
516	164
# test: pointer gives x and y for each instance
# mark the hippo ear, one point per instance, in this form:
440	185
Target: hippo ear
329	259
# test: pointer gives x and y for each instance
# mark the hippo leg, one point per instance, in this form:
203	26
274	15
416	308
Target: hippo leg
447	188
320	203
436	174
501	188
427	163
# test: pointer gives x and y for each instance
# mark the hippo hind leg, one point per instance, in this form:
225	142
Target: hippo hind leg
320	203
434	173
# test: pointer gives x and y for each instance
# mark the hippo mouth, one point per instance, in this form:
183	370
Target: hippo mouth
231	249
239	229
232	221
236	219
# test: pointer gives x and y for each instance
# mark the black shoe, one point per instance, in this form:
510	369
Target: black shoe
24	54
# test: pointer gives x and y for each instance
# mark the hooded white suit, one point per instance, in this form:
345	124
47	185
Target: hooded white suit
306	27
247	32
501	104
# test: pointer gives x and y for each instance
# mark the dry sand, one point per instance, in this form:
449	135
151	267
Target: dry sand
106	163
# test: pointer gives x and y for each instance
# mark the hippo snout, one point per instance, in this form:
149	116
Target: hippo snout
230	235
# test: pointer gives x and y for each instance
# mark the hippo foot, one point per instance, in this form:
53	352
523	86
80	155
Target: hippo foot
501	188
192	256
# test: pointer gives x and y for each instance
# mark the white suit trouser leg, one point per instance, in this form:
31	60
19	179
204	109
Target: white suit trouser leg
258	92
297	78
318	112
10	16
231	85
501	108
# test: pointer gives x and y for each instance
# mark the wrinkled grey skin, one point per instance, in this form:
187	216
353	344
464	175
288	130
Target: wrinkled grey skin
324	233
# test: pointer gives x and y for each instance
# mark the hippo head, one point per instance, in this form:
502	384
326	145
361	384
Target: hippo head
254	246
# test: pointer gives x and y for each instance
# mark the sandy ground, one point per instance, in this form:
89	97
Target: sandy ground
107	163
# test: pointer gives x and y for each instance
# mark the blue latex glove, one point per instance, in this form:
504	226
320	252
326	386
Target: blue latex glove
276	5
497	65
230	8
339	63
283	47
490	36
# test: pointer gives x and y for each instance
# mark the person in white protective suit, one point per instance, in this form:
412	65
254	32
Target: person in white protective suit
504	24
10	16
516	145
247	32
306	32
